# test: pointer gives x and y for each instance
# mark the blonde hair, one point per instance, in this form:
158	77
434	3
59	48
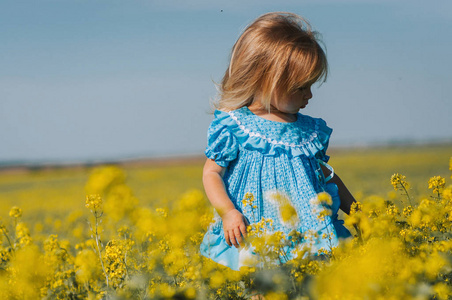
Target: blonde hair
275	55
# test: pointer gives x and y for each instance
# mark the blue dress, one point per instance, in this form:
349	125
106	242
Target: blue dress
268	158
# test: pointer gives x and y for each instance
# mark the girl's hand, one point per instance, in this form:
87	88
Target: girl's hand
234	223
234	227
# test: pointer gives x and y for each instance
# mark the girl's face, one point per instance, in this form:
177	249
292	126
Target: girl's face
291	104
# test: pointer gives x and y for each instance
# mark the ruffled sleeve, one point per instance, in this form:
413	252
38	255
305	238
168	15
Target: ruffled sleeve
222	145
324	139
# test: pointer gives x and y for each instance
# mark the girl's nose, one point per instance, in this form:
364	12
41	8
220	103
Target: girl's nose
308	94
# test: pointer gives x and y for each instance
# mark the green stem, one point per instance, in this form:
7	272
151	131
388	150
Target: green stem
97	238
7	237
358	231
293	284
15	233
406	193
329	242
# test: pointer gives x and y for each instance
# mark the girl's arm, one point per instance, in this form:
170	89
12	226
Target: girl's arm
347	198
234	223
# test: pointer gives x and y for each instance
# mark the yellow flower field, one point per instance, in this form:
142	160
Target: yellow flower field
133	232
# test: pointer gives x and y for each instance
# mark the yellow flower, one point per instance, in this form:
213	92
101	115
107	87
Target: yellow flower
191	200
22	230
93	201
450	166
442	291
355	207
437	183
407	211
325	198
103	178
119	202
447	194
288	214
25	241
216	279
87	265
433	265
51	243
190	293
114	258
28	274
162	212
392	210
15	212
324	213
248	199
398	179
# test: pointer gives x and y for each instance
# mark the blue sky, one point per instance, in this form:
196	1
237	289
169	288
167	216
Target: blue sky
88	80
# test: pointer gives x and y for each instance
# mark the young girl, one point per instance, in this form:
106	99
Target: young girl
260	145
